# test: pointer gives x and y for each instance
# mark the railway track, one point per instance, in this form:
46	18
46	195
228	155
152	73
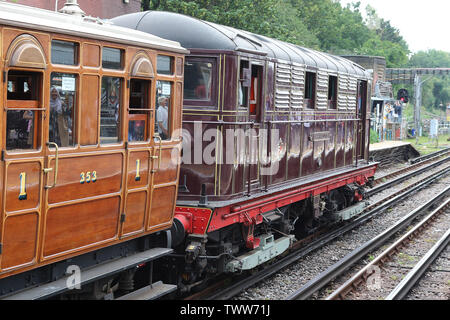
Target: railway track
388	264
227	291
344	264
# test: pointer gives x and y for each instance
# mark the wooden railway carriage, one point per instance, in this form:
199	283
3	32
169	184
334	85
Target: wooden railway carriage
83	163
242	90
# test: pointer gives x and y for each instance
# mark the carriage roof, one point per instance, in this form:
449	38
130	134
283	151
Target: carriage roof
193	33
39	19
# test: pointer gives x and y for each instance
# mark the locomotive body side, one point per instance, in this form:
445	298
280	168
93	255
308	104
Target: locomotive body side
275	141
84	166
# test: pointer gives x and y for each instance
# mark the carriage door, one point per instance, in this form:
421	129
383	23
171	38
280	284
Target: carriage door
166	144
361	113
22	153
255	115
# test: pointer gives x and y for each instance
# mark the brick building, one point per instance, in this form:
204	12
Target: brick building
97	8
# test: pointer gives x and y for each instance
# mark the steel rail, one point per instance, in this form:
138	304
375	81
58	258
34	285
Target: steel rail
341	266
362	275
419	269
239	286
428	156
412	166
404	177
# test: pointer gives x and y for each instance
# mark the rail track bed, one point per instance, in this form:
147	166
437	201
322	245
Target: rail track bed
391	273
314	258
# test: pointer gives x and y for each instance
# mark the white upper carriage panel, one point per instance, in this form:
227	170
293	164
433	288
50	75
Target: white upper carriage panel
38	19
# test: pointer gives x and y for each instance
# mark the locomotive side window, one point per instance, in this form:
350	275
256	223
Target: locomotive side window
112	58
138	116
198	79
110	110
163	109
164	65
22	110
310	89
63	89
244	84
64	52
332	92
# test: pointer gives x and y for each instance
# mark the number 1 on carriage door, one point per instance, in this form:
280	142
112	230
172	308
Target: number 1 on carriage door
23	193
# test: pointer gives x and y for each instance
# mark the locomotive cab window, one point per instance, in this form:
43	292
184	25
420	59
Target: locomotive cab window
23	107
198	84
332	92
63	89
163	109
244	84
310	89
64	52
110	110
138	116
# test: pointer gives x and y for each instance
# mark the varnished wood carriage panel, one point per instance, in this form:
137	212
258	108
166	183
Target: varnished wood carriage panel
25	176
162	206
86	176
89	109
135	212
138	169
20	240
79	225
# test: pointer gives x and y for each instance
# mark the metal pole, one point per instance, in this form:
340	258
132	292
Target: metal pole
417	92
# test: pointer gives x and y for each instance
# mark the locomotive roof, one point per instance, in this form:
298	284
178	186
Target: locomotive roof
45	20
194	33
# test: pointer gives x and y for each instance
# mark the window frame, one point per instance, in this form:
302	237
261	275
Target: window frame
120	137
76	110
172	65
170	109
332	103
310	102
36	105
212	102
76	53
145	113
122	58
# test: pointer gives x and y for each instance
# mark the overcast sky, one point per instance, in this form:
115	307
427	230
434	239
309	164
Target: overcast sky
423	24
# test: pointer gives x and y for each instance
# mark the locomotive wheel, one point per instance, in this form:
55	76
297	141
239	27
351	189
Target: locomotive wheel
336	201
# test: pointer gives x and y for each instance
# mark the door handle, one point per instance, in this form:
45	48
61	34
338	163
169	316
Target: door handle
160	152
47	170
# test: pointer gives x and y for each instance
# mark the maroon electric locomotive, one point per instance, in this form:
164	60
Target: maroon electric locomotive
275	143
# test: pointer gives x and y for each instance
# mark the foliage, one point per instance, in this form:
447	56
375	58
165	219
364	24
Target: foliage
319	24
373	136
323	25
436	90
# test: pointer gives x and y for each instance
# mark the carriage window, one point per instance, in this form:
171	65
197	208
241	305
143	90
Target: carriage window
22	109
332	92
22	86
310	89
198	80
112	58
62	108
165	65
110	110
163	109
20	128
138	116
64	52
